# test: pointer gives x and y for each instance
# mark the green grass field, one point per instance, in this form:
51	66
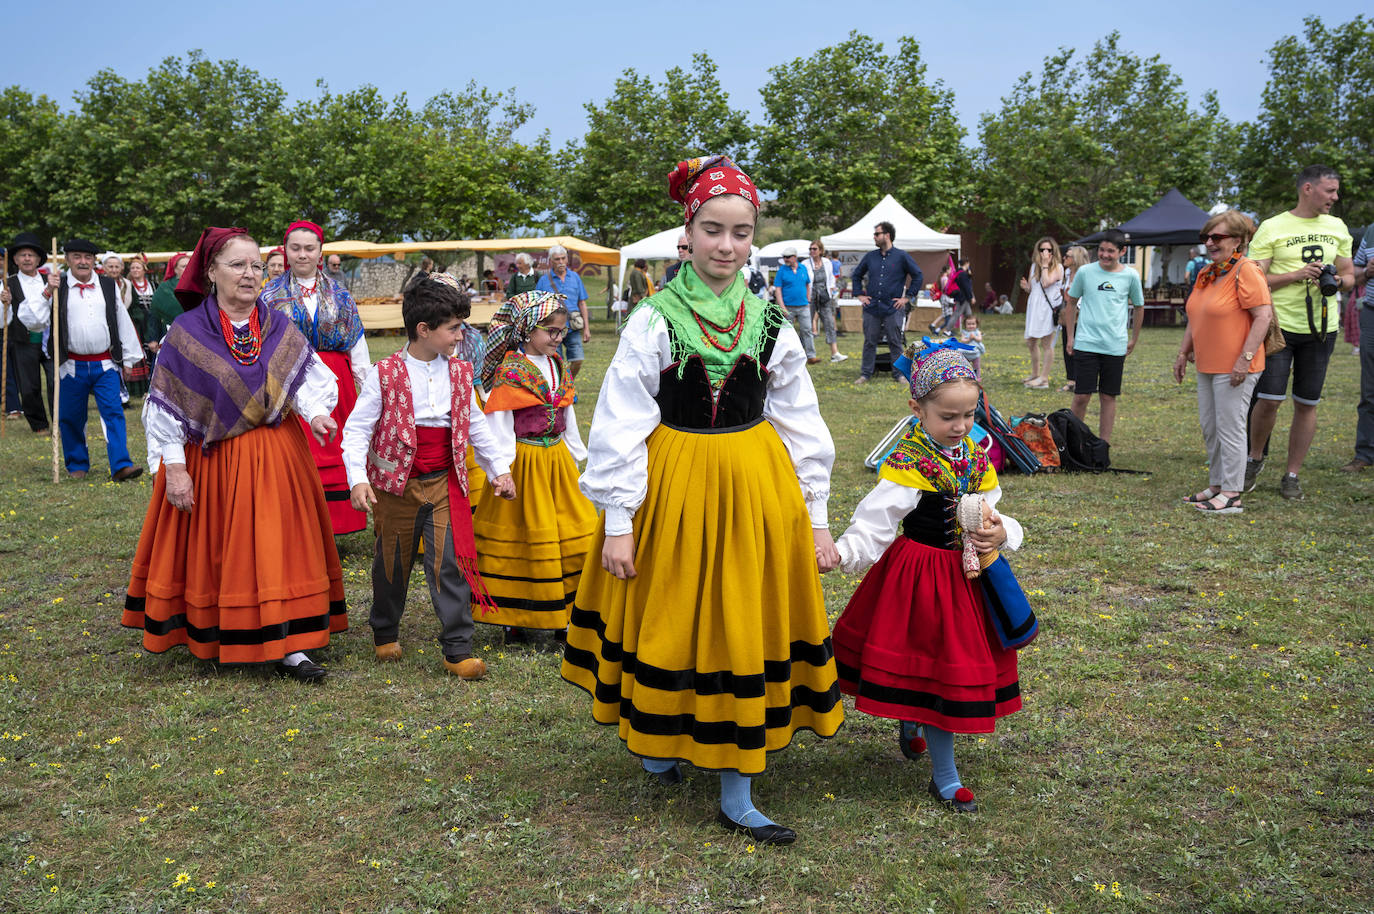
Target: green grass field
1197	731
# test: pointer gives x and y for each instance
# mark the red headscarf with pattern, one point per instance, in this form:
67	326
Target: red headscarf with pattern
697	180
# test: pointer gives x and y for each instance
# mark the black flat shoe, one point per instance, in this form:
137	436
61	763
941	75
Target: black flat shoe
305	671
912	747
962	801
670	778
767	834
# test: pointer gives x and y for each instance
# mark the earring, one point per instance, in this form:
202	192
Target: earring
212	287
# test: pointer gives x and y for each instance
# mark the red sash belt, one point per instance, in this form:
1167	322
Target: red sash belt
433	449
98	357
434	452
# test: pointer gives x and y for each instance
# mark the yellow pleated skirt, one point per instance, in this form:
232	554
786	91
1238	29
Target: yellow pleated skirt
718	650
477	480
530	550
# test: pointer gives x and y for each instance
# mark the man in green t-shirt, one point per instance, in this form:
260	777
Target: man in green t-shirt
1293	248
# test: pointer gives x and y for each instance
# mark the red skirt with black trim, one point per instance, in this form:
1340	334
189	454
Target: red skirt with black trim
915	644
343	517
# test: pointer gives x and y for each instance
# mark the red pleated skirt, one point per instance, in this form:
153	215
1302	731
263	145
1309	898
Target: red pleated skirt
915	644
343	517
251	574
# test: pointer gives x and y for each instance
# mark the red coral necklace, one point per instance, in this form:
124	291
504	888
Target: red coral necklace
244	345
736	327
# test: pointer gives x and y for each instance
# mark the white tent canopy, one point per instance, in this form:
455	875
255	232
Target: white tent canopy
659	246
912	233
775	249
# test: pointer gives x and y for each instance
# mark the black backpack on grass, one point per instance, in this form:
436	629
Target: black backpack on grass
1080	451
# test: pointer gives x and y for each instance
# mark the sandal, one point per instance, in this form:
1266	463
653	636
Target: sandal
1039	384
1067	388
1198	498
1230	506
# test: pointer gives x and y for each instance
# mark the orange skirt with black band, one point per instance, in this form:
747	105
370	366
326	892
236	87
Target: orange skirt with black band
251	574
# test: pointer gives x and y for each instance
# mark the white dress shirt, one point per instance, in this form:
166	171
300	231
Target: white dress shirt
617	475
317	396
503	423
87	332
29	307
432	397
877	517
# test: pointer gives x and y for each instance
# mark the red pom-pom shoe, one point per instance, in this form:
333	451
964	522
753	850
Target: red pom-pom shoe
962	801
913	745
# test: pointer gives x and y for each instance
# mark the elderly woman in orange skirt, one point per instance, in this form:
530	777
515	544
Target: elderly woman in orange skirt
236	559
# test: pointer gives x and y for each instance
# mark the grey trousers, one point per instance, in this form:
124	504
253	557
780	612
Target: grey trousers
1222	410
873	328
400	523
826	313
1364	423
801	321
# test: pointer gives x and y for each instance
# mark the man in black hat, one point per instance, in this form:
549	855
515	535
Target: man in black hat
95	336
27	361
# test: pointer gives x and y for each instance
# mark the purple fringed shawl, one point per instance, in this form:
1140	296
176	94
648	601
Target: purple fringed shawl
214	398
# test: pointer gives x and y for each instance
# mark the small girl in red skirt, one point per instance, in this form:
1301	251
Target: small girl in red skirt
915	643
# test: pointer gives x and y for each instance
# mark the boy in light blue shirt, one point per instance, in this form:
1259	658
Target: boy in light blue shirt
1096	315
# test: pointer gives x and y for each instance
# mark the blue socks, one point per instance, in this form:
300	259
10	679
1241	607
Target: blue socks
657	765
940	744
736	803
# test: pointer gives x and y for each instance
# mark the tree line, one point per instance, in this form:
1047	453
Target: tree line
1092	138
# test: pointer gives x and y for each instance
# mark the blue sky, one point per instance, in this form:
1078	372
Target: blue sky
558	56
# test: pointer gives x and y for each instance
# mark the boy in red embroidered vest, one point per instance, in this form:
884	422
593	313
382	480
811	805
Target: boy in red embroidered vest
416	412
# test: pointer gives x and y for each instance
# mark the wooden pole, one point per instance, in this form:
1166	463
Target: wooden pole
5	360
54	352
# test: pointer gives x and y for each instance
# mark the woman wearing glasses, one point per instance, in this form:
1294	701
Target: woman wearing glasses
530	550
1229	312
1044	297
236	560
824	290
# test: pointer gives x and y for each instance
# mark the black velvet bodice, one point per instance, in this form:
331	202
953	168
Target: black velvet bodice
933	522
686	402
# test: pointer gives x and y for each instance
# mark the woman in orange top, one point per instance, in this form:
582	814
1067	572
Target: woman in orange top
1228	316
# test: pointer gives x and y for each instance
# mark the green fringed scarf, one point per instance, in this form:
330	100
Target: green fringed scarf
687	296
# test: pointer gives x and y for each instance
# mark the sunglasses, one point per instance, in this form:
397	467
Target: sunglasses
1046	250
682	247
1214	237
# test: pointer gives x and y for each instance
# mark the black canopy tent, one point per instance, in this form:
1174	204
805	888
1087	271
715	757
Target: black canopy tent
1173	220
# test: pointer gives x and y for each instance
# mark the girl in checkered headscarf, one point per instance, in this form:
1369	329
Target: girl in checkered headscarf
531	550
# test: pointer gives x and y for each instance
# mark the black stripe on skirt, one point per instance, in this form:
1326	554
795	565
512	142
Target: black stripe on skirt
914	698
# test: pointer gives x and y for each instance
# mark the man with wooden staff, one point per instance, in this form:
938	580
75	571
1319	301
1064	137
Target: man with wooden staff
94	336
24	349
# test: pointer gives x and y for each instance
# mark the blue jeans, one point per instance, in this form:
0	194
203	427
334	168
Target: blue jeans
74	401
571	346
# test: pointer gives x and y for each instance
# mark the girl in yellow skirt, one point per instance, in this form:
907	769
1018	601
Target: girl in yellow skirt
530	550
700	629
